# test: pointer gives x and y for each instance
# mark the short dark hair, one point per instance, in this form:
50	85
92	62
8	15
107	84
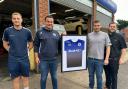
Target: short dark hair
48	16
16	13
112	23
96	21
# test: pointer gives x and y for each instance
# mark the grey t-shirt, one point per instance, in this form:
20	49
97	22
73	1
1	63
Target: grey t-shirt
96	44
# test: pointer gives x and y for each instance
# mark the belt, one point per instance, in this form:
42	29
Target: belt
116	58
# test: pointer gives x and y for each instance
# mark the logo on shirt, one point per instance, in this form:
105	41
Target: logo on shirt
11	35
40	33
54	34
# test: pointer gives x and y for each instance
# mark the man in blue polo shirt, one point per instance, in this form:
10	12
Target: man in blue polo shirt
74	52
17	40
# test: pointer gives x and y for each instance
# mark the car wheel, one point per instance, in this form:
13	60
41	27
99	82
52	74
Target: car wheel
79	30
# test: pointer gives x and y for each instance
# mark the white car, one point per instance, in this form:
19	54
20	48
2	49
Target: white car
75	26
59	28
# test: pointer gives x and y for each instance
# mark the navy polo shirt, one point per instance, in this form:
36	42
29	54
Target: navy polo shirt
18	40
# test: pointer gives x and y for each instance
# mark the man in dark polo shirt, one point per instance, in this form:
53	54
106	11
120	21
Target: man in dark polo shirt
17	40
46	50
118	50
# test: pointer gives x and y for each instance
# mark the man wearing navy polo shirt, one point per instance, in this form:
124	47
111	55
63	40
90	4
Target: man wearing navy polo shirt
46	51
17	40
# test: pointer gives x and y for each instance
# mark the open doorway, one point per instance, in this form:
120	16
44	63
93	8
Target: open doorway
74	21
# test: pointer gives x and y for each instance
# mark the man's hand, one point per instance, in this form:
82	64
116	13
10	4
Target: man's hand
106	61
37	60
121	61
123	53
63	33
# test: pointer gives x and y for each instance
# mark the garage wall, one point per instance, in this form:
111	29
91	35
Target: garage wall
104	16
104	19
76	4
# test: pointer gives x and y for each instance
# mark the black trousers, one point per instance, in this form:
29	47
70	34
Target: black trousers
111	72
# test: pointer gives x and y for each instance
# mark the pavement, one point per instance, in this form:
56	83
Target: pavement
69	80
66	80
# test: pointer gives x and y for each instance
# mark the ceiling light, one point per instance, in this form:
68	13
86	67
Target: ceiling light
69	10
52	13
70	17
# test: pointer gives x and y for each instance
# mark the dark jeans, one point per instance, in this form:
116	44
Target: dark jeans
111	71
95	66
45	67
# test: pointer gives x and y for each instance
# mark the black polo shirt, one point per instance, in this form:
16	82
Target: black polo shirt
18	40
118	43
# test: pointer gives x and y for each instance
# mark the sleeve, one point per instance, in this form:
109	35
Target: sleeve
60	45
87	42
30	38
122	42
36	43
107	40
5	35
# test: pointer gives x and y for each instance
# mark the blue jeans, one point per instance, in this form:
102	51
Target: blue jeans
45	67
95	66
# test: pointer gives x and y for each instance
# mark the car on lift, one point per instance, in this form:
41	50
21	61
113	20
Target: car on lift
75	25
58	26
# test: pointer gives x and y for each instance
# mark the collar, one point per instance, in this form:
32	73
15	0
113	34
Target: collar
111	33
46	29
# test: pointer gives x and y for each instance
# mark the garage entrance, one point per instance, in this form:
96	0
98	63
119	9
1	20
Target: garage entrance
74	21
6	8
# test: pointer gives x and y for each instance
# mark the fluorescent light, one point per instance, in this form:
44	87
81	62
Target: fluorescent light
86	14
70	17
69	10
1	1
52	13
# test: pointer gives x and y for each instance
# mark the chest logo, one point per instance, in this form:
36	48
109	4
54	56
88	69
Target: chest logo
54	34
11	35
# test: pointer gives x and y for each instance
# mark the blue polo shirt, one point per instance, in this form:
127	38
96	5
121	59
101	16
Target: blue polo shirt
18	40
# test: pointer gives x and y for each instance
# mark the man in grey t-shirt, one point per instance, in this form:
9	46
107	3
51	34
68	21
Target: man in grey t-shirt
97	41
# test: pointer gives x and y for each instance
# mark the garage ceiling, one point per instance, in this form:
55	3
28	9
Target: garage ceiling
25	8
60	11
9	6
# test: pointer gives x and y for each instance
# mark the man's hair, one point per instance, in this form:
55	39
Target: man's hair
48	16
112	23
16	13
96	21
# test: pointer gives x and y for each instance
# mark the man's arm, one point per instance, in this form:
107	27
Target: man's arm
36	48
37	58
106	61
123	52
6	45
30	45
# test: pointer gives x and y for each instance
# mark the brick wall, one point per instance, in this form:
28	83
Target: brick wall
43	10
